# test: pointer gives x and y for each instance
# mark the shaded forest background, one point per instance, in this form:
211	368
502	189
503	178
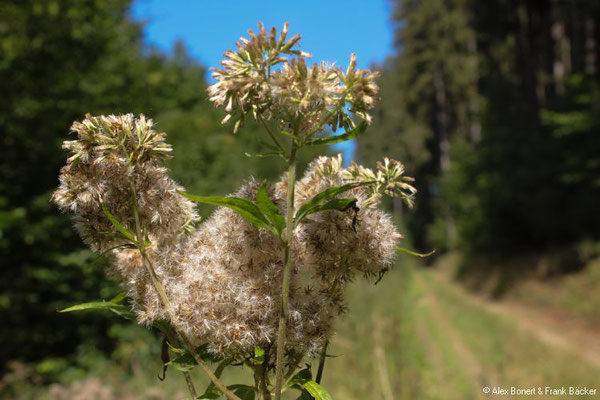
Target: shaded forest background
493	106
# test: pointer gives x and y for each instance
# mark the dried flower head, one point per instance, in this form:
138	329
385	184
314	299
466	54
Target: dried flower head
389	180
220	281
111	154
340	244
269	78
220	278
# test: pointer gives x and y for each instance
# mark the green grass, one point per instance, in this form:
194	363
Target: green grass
415	335
508	355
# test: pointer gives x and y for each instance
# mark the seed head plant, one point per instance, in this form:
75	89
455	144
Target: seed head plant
261	281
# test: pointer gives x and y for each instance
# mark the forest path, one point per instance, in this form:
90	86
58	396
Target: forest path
556	331
420	335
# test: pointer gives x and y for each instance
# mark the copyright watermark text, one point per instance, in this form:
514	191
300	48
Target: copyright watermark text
540	391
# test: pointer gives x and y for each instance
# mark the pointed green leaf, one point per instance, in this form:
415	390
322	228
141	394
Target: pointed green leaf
300	377
295	137
303	381
118	225
333	204
259	355
414	253
323	197
338	138
264	155
119	309
269	209
176	350
119	298
317	391
244	392
185	361
245	208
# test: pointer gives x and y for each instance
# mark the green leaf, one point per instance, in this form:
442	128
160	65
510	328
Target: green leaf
333	204
247	209
244	392
119	309
414	253
186	362
176	350
264	155
303	381
269	209
338	138
317	391
300	377
288	134
119	298
118	225
259	355
321	198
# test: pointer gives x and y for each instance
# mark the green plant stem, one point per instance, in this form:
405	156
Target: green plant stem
260	382
190	384
293	366
188	377
322	357
167	304
264	124
287	272
264	376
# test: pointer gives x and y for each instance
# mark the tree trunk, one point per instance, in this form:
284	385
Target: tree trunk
590	46
474	117
526	69
442	119
561	49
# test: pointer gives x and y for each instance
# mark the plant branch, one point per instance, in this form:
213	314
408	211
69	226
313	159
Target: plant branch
293	367
190	384
322	362
262	121
264	371
287	271
188	377
167	304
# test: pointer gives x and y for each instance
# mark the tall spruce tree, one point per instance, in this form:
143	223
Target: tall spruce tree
494	105
428	100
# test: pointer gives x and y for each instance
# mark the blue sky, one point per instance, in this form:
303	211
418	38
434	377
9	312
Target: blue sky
331	30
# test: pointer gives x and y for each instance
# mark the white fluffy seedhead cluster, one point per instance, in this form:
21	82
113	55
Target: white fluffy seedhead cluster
340	244
223	279
109	154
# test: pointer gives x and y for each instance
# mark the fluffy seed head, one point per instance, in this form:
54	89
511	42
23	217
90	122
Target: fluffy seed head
111	155
224	280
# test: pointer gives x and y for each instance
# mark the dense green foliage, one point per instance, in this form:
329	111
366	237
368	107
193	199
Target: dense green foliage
493	107
58	61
